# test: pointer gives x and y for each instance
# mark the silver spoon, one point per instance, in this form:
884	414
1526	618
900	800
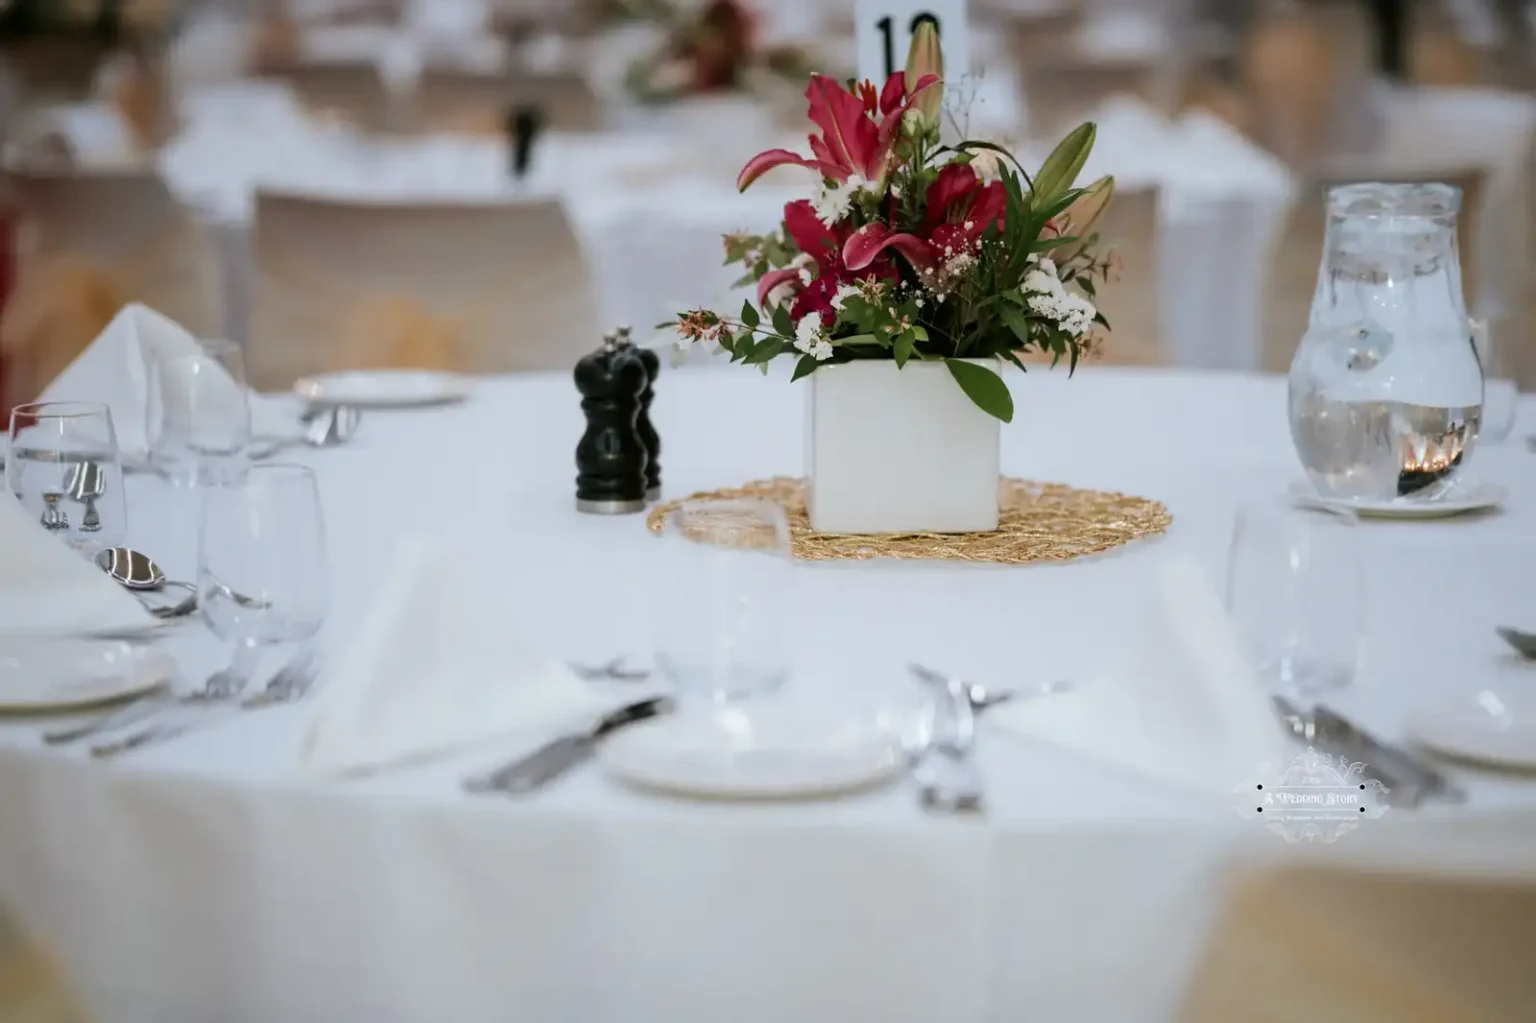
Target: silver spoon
325	426
138	572
1523	642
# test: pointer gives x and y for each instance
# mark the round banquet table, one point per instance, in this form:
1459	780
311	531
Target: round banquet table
211	879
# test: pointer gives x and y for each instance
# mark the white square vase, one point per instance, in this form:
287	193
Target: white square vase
899	451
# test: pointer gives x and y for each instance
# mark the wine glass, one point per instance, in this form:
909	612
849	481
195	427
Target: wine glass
726	635
1500	394
1296	590
198	414
65	468
262	577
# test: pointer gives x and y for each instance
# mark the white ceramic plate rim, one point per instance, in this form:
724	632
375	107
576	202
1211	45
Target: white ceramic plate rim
1477	497
152	671
1453	735
378	388
625	756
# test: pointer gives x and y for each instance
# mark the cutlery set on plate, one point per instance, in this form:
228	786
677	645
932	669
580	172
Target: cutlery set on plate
941	759
163	715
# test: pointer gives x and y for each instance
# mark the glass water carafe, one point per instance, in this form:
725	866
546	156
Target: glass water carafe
1386	391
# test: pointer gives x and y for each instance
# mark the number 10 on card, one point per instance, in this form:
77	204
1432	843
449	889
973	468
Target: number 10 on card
885	35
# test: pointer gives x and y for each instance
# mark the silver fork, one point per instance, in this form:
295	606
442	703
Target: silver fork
946	771
291	684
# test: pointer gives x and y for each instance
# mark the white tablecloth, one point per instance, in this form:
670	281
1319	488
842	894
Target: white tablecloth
208	880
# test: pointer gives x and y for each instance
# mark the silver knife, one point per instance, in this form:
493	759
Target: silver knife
554	759
1407	780
1334	727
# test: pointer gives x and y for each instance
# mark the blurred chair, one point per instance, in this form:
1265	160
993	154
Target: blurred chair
461	101
1306	944
353	93
58	70
1298	256
1131	302
1306	70
566	99
1062	95
32	990
87	244
1037	31
475	102
471	288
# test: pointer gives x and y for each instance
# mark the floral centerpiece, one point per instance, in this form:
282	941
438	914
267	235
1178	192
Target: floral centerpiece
913	264
709	50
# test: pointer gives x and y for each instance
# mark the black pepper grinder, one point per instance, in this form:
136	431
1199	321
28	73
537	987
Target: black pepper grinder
523	124
648	435
610	459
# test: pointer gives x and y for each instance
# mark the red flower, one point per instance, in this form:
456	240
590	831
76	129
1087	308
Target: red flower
824	245
852	141
959	210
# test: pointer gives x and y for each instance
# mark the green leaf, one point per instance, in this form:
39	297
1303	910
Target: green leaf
858	339
782	324
903	348
1016	321
1089	288
804	368
919	333
1013	358
1061	168
983	387
749	315
748	278
1072	366
768	349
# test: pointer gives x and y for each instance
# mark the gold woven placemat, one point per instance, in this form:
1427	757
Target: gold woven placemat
1039	522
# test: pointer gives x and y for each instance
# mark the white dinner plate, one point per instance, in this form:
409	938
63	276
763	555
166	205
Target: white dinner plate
755	754
383	388
38	675
1460	501
1496	727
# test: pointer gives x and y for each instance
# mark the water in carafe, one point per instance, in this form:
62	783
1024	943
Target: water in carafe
1386	390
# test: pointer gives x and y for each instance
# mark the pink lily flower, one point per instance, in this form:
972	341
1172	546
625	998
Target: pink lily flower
960	209
853	140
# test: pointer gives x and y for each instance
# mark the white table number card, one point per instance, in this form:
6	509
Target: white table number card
885	34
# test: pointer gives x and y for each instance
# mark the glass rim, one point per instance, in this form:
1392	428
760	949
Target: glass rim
271	472
55	410
1423	200
1293	504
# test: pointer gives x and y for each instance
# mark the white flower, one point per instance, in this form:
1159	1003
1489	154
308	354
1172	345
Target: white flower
821	351
831	203
808	333
1048	297
844	292
987	165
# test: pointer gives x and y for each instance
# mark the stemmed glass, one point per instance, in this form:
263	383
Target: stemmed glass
725	636
1296	589
262	576
65	468
198	414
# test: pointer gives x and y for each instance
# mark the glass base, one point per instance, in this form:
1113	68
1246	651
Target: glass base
1304	676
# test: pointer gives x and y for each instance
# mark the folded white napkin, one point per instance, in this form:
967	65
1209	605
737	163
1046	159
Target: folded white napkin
46	589
114	369
1188	711
435	670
